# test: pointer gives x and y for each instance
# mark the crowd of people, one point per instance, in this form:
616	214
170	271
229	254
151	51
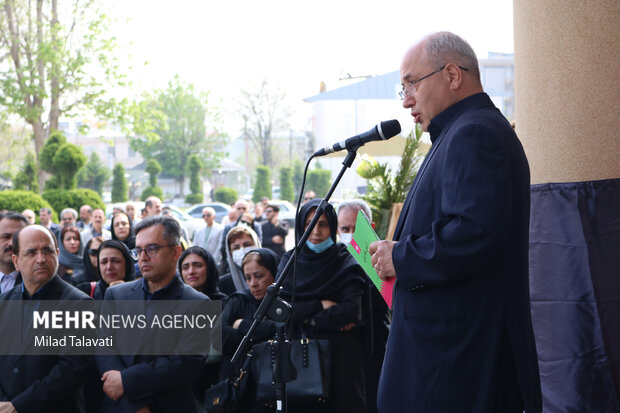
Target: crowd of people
460	331
227	261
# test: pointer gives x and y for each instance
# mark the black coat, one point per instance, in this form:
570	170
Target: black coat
461	336
44	383
162	382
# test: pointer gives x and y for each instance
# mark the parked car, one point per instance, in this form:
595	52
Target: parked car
221	210
190	223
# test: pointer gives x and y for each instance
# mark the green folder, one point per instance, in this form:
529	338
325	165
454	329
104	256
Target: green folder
363	236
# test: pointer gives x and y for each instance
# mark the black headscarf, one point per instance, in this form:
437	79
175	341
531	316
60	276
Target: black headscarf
129	263
130	241
325	274
269	258
90	273
209	288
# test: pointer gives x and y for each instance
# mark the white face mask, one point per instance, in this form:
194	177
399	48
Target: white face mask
346	238
238	255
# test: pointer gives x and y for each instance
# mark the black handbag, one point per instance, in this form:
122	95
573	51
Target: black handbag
228	395
312	359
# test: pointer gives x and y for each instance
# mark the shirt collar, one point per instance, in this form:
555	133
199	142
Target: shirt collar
443	119
149	295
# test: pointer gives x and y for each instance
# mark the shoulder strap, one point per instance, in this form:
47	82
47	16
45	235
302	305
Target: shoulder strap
93	284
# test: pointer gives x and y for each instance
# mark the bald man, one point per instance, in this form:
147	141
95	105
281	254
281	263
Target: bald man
461	337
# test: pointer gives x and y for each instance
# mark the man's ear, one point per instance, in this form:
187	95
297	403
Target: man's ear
14	258
455	74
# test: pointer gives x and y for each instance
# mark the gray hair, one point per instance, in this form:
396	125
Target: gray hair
172	229
446	47
70	210
45	209
356	204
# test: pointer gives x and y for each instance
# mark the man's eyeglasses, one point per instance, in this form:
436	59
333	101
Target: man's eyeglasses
150	251
45	251
206	215
412	86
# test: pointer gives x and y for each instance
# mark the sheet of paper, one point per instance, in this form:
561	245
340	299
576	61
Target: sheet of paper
363	236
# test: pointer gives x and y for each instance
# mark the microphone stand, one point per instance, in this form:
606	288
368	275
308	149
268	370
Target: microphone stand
275	308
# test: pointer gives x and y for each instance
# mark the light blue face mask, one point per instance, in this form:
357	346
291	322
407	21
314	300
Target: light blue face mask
321	246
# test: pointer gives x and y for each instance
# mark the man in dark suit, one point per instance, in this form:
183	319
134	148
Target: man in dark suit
147	383
46	383
9	223
461	337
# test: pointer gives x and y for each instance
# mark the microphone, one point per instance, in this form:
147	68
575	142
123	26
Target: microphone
381	132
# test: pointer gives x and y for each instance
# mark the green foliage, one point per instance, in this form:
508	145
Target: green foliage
119	184
60	199
386	187
27	178
20	200
50	149
67	162
153	168
298	174
319	180
263	183
193	199
59	60
286	185
195	166
52	183
225	195
171	125
152	191
94	174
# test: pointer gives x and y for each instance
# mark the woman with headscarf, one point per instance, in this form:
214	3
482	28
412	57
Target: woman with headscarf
115	265
91	270
239	241
70	260
121	228
329	293
198	270
259	267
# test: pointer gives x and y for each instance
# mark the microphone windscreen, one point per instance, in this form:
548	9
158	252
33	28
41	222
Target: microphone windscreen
390	128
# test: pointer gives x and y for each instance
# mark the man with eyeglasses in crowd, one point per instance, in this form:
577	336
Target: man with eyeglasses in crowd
210	237
40	383
461	337
274	231
145	383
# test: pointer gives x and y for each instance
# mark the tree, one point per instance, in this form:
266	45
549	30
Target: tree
27	178
263	183
119	184
286	185
94	174
171	125
264	112
58	62
195	166
225	195
298	174
195	186
153	168
69	159
50	149
319	180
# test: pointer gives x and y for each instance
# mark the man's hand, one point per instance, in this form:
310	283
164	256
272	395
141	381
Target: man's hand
237	323
145	409
381	253
327	304
7	407
113	384
347	327
276	239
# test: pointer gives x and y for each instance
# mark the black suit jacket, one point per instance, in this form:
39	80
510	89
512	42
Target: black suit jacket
164	383
461	337
44	383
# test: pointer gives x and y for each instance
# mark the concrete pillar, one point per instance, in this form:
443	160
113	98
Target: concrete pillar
567	88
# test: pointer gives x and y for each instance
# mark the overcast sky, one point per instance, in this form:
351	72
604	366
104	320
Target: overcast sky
225	45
